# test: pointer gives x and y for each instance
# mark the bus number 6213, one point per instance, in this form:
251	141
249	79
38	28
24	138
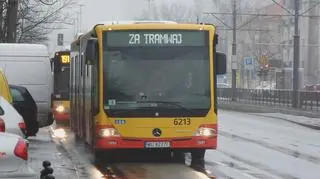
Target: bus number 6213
181	121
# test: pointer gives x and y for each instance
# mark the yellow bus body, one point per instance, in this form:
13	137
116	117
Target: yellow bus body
135	131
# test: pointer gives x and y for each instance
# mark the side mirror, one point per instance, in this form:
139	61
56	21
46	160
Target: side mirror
91	53
221	63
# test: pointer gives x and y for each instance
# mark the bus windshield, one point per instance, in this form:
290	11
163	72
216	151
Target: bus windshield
61	83
145	75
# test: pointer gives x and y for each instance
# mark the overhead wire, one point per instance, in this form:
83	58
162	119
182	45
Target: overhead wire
47	3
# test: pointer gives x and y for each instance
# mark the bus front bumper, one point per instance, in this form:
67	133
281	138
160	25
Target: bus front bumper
167	143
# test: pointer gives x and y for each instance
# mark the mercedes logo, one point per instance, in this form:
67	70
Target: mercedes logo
156	132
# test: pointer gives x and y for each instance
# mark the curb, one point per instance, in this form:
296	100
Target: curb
288	120
251	108
61	144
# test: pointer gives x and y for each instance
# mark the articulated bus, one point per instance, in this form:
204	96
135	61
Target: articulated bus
146	85
60	98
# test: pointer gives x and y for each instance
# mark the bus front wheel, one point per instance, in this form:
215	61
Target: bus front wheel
102	157
197	158
178	157
97	157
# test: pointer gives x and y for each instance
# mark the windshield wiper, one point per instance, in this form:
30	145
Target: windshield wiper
177	104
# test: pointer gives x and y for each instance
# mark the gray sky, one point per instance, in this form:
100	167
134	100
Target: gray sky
95	11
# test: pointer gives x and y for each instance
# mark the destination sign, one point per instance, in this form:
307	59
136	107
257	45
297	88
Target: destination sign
65	59
156	38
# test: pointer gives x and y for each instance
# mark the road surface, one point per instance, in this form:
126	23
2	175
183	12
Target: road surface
250	146
42	147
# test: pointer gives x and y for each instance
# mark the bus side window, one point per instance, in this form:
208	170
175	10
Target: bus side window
71	76
92	58
95	88
81	65
87	70
76	74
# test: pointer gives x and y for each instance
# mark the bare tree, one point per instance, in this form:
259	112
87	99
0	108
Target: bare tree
264	38
36	19
259	44
174	12
3	25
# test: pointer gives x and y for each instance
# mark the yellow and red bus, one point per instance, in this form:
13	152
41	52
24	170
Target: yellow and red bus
60	97
146	85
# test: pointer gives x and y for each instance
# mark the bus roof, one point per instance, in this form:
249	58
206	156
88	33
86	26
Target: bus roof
16	49
136	22
76	36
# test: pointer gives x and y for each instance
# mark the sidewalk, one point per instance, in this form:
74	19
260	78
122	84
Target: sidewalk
313	123
43	148
265	109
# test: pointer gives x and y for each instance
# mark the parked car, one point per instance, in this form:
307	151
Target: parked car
265	89
24	103
13	121
29	65
14	158
223	85
2	123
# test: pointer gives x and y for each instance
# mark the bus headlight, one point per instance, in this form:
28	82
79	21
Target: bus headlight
109	132
60	108
206	132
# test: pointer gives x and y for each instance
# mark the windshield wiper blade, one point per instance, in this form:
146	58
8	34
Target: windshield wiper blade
177	104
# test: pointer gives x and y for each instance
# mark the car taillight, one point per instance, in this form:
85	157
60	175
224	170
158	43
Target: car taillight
21	149
22	125
2	125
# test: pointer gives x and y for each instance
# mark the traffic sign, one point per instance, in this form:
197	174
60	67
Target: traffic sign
249	63
60	40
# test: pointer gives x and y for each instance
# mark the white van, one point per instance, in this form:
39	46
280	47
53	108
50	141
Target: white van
28	65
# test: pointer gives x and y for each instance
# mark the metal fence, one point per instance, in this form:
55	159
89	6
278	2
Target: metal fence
282	98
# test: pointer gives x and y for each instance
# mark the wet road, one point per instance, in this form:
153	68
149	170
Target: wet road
43	148
126	170
250	146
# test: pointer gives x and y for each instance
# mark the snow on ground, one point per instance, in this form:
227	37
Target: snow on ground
262	147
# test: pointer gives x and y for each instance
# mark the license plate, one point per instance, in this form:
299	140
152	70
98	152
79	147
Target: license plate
157	144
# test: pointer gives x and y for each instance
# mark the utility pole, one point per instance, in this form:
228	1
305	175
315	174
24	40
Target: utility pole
74	26
80	18
149	7
234	52
312	64
12	12
77	22
296	57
